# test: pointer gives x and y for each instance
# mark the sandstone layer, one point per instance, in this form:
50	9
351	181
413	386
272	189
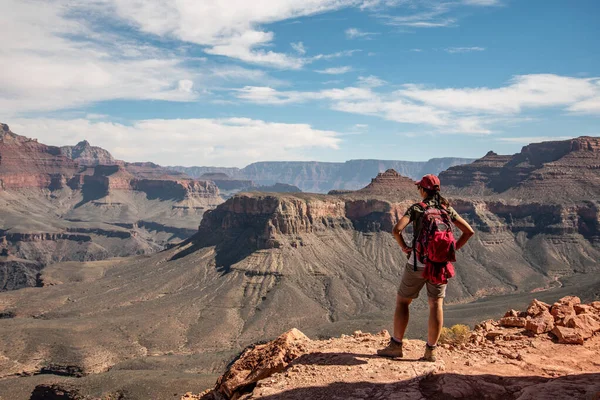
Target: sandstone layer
53	209
558	171
25	163
85	154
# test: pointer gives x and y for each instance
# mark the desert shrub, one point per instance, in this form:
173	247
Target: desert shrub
456	335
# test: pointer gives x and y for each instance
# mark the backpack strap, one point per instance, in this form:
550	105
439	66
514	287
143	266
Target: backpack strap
424	207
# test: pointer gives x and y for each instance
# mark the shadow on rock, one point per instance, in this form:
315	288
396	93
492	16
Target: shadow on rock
455	386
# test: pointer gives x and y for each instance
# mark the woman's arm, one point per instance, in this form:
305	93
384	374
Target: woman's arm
397	231
466	230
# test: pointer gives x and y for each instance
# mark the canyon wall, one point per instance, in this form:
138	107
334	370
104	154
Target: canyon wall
321	177
550	171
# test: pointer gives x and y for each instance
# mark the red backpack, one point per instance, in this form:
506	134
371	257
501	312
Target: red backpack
435	246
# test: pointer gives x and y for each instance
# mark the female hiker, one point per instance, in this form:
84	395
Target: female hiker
429	262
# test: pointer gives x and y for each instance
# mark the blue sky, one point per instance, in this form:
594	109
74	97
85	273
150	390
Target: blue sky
230	82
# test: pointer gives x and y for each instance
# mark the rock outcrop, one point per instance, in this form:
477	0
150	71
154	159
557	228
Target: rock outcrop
568	320
496	361
391	184
553	171
25	163
88	155
55	209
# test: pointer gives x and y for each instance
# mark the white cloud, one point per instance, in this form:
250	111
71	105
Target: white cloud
370	81
589	106
229	28
335	70
449	110
224	142
524	91
481	2
45	68
416	50
267	95
354	33
344	53
299	48
453	50
54	58
432	14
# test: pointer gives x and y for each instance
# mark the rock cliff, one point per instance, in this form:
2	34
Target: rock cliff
85	154
25	163
54	209
321	177
496	361
499	359
556	171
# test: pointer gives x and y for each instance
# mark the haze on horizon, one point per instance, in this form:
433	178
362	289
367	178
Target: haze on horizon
231	82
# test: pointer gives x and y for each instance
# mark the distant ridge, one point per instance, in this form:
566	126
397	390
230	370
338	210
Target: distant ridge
549	171
322	177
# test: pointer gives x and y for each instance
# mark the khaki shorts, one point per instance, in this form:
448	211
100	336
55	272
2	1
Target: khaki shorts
413	281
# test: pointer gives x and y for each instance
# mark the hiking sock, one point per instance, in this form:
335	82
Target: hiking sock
396	340
431	346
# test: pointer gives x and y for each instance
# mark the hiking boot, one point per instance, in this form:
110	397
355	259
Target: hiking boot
393	349
429	353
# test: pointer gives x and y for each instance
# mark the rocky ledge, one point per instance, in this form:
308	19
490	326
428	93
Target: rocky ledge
499	360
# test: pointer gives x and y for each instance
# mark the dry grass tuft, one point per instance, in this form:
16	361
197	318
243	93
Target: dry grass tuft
456	335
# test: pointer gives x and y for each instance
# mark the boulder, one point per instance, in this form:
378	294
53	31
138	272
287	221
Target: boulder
567	335
537	307
493	335
584	324
595	305
260	362
486	325
511	313
562	310
572	300
515	321
542	323
582	308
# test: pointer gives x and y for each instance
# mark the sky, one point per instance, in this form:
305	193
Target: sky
231	82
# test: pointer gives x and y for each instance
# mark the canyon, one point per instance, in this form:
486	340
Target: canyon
55	208
262	263
321	177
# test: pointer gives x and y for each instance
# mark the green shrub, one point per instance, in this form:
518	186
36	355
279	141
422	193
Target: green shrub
456	335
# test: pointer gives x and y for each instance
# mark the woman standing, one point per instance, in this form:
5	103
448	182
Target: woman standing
423	269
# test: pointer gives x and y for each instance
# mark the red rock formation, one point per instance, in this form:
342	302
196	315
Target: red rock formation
107	178
25	163
259	362
391	184
559	170
495	361
477	176
561	321
88	155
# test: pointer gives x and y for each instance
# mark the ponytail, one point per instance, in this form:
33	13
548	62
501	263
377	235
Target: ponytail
435	195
